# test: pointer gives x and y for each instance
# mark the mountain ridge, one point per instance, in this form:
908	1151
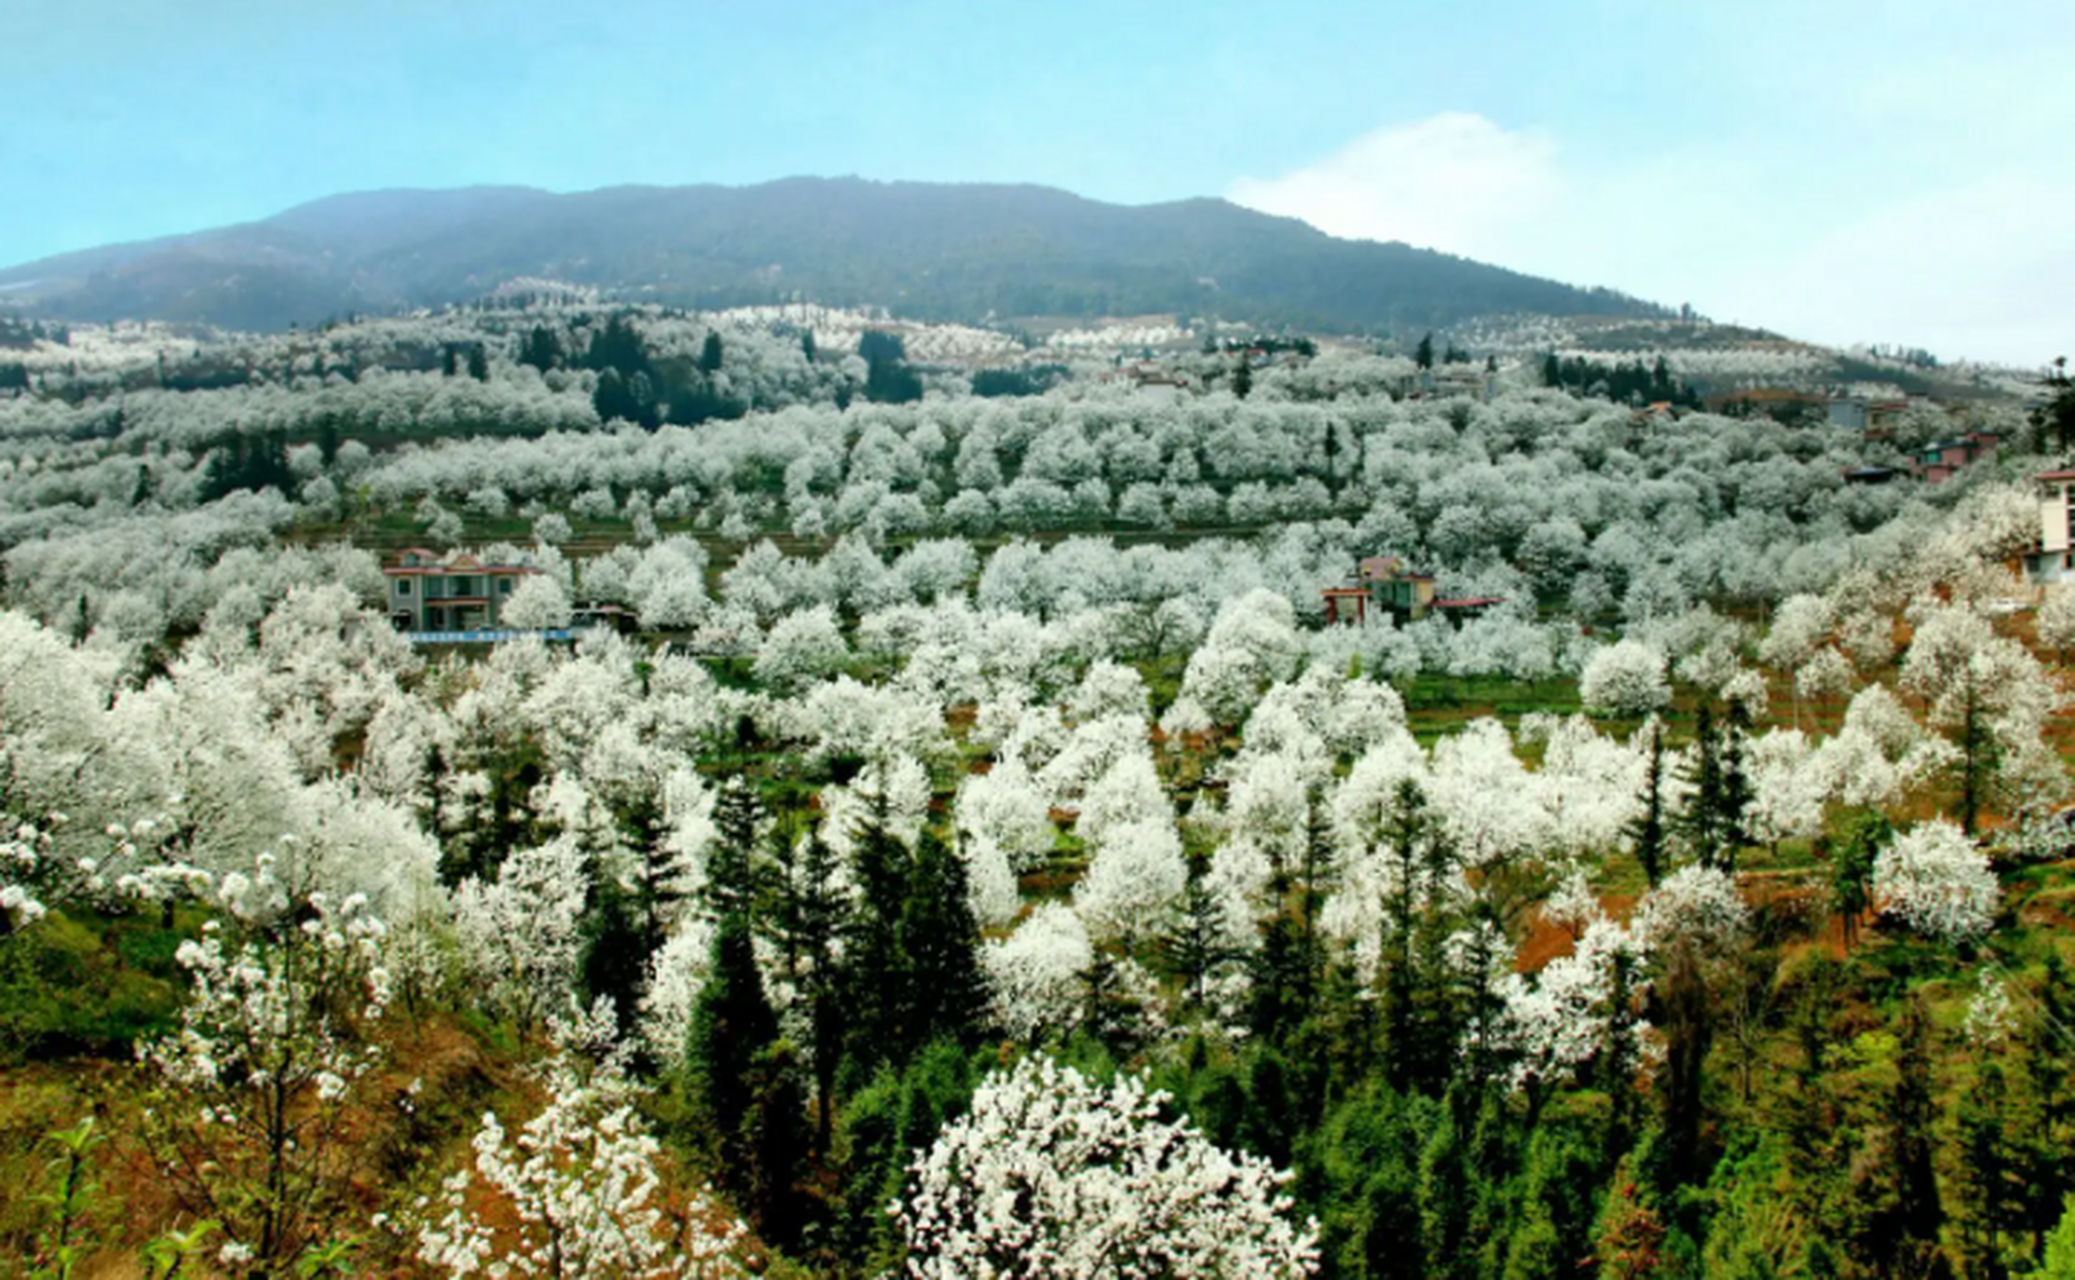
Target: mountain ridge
966	252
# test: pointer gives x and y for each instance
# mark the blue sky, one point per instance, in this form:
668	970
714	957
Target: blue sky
1841	171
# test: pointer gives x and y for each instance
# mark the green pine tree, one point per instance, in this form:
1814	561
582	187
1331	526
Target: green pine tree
811	917
615	955
940	940
732	1028
879	978
1648	829
1197	950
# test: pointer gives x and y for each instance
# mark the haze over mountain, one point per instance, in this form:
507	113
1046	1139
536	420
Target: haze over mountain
930	251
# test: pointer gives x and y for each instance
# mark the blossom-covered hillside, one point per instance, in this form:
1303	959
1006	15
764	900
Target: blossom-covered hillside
975	852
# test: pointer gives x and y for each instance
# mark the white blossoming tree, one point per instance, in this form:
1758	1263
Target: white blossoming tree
1034	974
247	1123
540	602
1054	1175
1134	883
1934	880
519	935
1574	1011
1625	679
802	647
1993	698
575	1195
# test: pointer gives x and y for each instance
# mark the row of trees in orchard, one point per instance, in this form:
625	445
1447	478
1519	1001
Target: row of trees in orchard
1535	497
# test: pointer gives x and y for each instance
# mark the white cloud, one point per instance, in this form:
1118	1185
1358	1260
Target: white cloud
1455	182
1970	261
1978	268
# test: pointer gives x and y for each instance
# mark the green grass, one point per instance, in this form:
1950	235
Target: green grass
88	985
1436	705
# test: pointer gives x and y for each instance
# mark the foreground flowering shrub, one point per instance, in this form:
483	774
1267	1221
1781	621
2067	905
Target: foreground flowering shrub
575	1194
1053	1175
253	1090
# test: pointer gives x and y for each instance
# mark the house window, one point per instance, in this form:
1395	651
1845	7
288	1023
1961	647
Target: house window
504	586
403	586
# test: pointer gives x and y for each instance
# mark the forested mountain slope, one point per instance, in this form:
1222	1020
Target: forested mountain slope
963	252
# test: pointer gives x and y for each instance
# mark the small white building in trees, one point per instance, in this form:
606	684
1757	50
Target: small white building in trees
2052	559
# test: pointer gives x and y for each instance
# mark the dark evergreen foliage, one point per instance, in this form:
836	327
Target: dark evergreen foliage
616	951
728	1062
939	940
248	462
1630	383
1649	831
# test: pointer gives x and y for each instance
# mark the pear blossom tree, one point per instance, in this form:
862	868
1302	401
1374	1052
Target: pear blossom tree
1034	974
802	647
1551	1028
1625	679
1055	1175
1252	643
1993	697
1134	883
1800	628
519	933
2055	621
1006	808
24	853
576	1194
1936	882
538	603
1787	793
248	1124
1879	753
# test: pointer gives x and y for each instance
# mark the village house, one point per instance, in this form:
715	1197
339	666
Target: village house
1865	413
1781	404
2052	559
428	592
1940	460
1385	585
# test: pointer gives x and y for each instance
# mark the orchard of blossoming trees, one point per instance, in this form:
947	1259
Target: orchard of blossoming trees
983	859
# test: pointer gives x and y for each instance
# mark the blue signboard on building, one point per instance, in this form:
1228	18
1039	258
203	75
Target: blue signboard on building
486	637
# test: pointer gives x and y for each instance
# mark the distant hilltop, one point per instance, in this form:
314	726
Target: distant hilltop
967	253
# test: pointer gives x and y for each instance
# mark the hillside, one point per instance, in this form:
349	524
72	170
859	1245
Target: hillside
944	252
1685	894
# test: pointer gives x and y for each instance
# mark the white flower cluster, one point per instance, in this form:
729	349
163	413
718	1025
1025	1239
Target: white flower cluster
1934	880
1696	906
1625	679
270	1046
1991	1019
21	857
1562	1020
578	1186
269	1011
1054	1175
